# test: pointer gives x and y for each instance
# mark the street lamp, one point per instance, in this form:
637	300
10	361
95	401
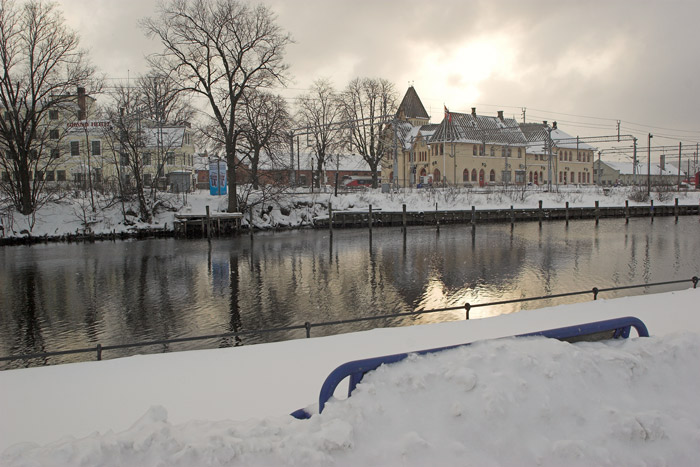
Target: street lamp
649	164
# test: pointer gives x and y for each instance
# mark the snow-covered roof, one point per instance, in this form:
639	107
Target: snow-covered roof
170	137
468	128
626	168
537	135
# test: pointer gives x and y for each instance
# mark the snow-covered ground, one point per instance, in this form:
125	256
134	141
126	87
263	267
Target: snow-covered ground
69	216
527	401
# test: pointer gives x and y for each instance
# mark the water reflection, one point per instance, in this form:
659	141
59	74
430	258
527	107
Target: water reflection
71	296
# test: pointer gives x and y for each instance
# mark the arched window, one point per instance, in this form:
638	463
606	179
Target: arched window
473	175
572	177
481	177
391	175
436	176
560	155
423	173
530	180
588	177
492	176
465	175
561	177
541	177
536	179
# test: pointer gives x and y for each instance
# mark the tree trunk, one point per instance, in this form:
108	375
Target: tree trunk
232	189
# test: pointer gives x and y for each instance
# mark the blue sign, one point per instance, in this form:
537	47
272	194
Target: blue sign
217	178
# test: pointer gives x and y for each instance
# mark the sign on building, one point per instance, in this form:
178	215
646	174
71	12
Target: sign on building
217	177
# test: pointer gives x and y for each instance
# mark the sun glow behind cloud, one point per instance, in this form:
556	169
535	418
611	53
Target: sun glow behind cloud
457	72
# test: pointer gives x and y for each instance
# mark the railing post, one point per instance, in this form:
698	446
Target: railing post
467	307
627	211
597	212
675	209
595	293
651	209
567	212
369	220
330	218
695	282
540	212
512	216
404	218
473	220
99	352
437	220
307	325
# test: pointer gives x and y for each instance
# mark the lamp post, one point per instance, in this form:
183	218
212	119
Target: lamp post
649	164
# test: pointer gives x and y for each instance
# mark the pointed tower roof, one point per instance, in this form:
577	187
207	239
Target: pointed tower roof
411	107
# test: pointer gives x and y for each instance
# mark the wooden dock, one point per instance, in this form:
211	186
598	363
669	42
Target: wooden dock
207	225
378	218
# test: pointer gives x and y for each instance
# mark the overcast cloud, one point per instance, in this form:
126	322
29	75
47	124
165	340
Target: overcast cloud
636	61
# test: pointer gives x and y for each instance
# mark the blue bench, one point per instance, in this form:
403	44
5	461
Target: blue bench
618	328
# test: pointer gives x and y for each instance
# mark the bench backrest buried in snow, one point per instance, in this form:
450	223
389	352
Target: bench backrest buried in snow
618	328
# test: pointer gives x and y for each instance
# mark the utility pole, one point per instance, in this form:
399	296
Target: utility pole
634	162
679	166
649	165
618	131
549	150
600	168
524	109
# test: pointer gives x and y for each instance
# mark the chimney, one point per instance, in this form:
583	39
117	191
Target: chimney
473	111
554	125
82	110
544	122
500	115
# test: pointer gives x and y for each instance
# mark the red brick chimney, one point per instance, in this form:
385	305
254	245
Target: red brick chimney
473	111
500	115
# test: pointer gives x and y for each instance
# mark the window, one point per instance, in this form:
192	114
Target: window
78	177
520	153
53	114
123	159
147	158
170	158
465	175
508	152
492	176
147	179
493	151
40	175
473	175
96	148
588	177
55	153
482	149
561	177
50	176
53	134
474	150
560	156
75	148
503	152
61	175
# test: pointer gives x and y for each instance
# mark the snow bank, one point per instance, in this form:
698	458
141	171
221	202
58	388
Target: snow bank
507	402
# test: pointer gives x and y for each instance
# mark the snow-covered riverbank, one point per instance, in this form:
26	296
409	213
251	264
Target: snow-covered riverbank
69	218
526	401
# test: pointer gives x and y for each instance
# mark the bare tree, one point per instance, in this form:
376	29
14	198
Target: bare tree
220	50
141	145
265	124
162	100
320	113
369	103
41	64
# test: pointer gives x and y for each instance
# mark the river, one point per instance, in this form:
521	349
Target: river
66	296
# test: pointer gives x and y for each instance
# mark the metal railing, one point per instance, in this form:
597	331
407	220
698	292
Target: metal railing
307	326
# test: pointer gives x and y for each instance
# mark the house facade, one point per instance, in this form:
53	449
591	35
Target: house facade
472	150
85	150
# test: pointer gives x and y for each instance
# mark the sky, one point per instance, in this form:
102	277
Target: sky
586	64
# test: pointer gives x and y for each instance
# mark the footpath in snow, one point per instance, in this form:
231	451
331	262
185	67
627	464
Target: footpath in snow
528	401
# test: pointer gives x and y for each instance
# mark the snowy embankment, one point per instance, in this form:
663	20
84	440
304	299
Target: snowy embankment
528	401
70	216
